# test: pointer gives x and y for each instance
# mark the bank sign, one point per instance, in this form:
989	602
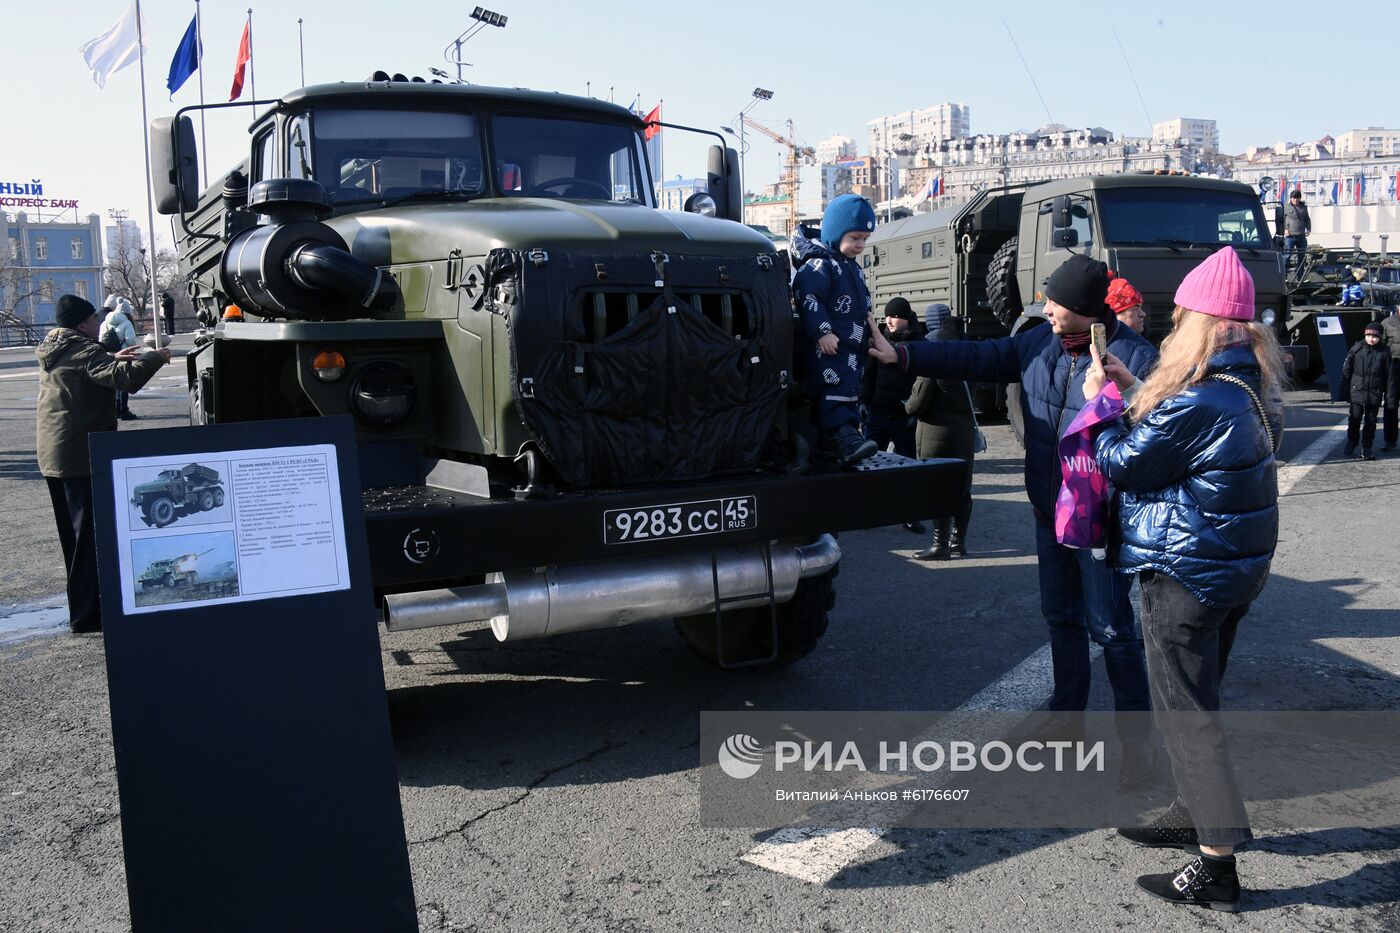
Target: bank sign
21	194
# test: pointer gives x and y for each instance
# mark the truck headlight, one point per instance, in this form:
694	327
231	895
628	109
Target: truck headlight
702	204
1268	317
383	394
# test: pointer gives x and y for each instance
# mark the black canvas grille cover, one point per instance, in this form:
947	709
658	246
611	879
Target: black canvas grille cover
660	392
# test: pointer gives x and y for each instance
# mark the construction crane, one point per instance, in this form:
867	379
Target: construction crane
798	155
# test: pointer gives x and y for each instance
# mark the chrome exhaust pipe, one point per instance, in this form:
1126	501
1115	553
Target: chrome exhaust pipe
523	604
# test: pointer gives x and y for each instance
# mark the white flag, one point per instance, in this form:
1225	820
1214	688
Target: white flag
114	49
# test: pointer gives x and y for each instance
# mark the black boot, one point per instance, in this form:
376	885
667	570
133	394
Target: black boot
1139	763
1366	454
1202	882
938	547
850	447
957	543
1171	830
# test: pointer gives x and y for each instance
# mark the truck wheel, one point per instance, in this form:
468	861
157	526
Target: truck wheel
1003	291
218	498
802	622
206	500
160	512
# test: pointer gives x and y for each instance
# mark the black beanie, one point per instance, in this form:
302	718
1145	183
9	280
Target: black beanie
898	307
73	310
1080	284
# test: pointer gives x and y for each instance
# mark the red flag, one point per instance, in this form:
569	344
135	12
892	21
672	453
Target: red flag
652	119
245	54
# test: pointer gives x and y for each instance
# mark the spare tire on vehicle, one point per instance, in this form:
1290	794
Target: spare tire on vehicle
1003	291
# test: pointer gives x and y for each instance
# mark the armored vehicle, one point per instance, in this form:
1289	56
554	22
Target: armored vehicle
989	259
192	488
1315	288
574	410
172	571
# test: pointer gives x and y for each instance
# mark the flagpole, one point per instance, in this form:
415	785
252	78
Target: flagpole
199	63
150	203
301	51
252	69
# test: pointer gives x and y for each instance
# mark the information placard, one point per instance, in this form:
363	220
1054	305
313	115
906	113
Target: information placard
250	724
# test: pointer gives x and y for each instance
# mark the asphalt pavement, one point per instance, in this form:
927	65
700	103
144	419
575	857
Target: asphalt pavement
552	785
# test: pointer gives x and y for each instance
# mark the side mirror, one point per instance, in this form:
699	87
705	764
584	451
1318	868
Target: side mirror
729	200
1066	238
1061	213
174	165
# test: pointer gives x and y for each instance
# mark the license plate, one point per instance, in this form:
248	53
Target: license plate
680	520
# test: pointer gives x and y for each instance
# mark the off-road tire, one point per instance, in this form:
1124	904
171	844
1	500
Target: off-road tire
159	511
218	497
802	622
1003	291
206	500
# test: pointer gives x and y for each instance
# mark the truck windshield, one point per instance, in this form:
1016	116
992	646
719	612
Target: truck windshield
1181	217
549	157
374	155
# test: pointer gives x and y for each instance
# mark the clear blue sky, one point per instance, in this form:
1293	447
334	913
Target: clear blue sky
832	67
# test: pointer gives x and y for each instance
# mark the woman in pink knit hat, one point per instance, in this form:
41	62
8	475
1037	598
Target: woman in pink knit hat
1197	495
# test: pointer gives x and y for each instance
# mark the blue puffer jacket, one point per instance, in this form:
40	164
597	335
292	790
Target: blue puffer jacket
1197	488
1052	387
830	293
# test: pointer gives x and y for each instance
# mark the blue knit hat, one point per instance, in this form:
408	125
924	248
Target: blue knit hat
843	215
934	316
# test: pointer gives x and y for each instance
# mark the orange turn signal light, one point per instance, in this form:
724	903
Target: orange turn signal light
328	365
233	313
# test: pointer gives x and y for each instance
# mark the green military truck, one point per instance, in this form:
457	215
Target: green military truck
170	572
574	410
989	259
192	488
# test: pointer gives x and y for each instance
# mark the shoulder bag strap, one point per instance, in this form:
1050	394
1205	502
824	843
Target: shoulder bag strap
1258	405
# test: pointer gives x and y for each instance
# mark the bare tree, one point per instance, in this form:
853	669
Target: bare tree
17	287
128	275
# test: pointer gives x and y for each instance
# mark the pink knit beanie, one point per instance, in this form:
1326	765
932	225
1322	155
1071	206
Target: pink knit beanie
1221	287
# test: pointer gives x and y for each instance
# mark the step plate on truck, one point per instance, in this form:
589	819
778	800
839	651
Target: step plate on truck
423	534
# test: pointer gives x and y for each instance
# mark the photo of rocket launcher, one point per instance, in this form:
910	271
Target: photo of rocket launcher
1098	333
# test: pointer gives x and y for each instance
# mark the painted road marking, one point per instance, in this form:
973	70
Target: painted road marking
817	855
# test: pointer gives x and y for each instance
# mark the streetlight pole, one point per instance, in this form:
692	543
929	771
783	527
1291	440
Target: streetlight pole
483	18
759	96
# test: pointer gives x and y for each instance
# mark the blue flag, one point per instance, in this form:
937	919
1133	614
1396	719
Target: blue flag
186	59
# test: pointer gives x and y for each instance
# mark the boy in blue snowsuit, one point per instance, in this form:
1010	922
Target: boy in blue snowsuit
833	304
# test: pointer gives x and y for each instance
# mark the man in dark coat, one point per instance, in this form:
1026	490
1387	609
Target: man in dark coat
167	311
885	389
78	382
1390	330
1080	595
1365	383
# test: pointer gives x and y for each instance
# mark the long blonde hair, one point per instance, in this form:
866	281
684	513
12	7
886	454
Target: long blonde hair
1194	339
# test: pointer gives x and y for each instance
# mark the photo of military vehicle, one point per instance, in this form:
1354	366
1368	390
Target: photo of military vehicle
989	258
574	410
170	572
174	493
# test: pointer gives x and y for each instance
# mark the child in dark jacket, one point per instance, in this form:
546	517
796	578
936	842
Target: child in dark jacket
1365	382
833	304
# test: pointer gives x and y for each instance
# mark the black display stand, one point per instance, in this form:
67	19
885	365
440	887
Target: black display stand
1332	344
254	759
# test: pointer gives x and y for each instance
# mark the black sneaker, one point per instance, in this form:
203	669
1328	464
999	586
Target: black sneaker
1138	765
1202	882
1171	830
850	447
1366	454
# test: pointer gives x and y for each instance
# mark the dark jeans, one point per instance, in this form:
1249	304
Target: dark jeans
1356	428
883	430
1292	244
1082	597
72	510
1188	645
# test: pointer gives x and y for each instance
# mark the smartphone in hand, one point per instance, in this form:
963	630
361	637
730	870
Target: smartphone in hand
1098	334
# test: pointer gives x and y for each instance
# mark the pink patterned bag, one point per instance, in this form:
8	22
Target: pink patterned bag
1081	511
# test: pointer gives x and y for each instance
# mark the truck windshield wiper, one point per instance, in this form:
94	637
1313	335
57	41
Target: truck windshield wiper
432	194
